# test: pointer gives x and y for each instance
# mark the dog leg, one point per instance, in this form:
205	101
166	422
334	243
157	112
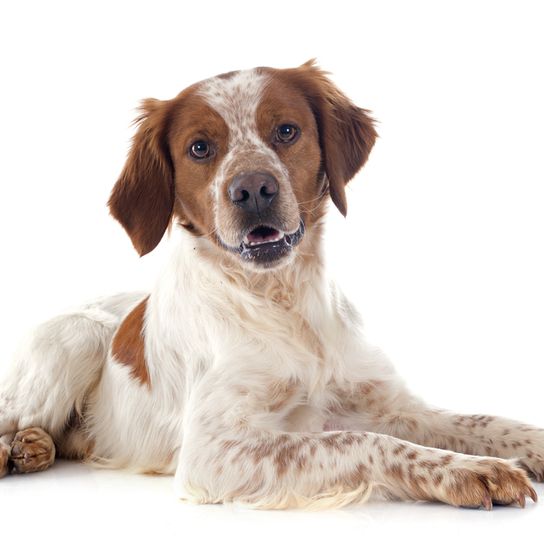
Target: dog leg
50	380
378	407
279	470
225	457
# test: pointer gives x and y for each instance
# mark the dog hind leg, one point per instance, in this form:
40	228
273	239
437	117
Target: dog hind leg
48	383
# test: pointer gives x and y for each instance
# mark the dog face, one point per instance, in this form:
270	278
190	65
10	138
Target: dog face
245	159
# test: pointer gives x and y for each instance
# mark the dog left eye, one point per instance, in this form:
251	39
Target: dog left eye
286	133
200	150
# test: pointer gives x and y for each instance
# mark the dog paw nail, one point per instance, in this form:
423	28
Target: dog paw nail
487	503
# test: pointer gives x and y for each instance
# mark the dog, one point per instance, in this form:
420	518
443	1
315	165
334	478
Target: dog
245	371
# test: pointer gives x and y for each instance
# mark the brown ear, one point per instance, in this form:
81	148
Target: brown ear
142	200
346	132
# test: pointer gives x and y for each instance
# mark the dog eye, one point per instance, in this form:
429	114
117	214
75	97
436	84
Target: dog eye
200	150
286	133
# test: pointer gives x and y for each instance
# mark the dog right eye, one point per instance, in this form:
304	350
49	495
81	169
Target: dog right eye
200	150
286	133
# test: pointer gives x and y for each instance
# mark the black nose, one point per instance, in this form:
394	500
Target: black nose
253	191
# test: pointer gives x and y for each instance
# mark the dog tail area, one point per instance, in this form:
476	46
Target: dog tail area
59	363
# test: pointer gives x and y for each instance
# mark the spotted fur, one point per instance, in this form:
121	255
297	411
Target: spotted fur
250	385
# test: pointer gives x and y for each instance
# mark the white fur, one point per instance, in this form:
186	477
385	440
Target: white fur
262	388
218	343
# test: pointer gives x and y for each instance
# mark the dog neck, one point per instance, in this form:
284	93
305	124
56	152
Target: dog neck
305	267
204	293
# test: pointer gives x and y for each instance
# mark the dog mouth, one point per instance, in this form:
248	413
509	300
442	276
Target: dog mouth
262	235
266	244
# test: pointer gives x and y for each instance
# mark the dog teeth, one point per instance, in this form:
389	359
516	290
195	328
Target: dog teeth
279	236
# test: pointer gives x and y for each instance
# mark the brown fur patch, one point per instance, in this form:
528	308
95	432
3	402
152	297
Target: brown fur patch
143	197
346	132
355	478
282	102
446	460
429	465
193	119
395	472
128	344
285	457
418	487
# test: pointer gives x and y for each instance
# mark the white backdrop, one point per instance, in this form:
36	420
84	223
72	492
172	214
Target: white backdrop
442	249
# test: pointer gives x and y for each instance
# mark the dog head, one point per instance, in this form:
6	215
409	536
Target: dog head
244	159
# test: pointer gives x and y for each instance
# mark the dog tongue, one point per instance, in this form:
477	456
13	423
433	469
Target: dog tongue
263	234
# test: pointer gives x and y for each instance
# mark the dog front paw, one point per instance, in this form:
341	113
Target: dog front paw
485	482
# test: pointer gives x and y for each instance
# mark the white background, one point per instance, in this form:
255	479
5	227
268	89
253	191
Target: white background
441	249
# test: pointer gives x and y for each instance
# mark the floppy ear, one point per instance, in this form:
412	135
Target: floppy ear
142	200
346	132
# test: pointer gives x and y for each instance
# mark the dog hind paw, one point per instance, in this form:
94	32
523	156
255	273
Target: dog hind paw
32	450
4	460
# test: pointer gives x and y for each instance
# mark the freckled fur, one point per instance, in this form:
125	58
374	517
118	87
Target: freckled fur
260	386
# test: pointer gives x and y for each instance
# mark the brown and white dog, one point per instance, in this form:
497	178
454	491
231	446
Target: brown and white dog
245	371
